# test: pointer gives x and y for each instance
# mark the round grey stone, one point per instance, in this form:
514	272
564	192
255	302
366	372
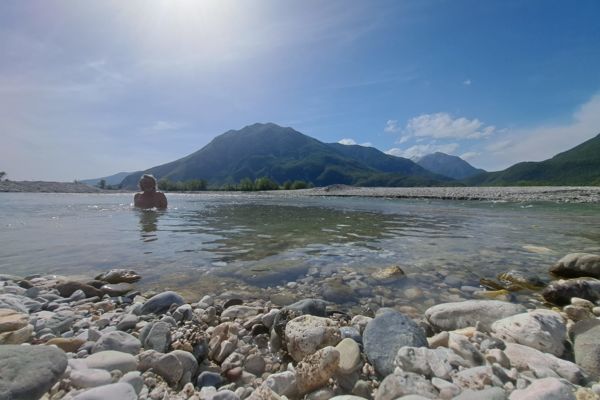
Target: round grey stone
114	391
161	303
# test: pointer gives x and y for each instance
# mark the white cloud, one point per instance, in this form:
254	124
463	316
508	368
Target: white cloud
347	141
403	139
420	150
443	125
161	126
367	144
542	142
391	126
467	82
469	155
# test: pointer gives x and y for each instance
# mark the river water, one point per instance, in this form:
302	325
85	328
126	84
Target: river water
255	243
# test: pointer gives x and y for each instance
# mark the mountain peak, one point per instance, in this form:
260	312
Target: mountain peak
448	165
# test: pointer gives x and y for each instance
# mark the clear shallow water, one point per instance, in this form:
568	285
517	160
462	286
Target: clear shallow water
212	242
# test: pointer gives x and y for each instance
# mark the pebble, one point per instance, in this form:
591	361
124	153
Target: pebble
110	360
118	341
134	378
207	378
90	377
156	336
114	391
127	322
350	359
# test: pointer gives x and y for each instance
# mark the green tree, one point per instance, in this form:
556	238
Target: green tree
265	183
299	185
102	184
246	185
287	185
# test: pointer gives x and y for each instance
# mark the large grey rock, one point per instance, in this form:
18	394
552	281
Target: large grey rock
386	334
541	329
18	303
306	334
282	383
27	372
85	378
114	391
544	389
188	363
577	265
402	383
314	371
561	291
111	360
161	303
170	368
315	307
240	311
118	341
157	336
586	346
462	314
134	378
543	365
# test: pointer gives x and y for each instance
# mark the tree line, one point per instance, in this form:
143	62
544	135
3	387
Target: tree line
245	185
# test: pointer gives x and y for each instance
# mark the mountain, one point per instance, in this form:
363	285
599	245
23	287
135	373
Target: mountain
284	154
110	180
447	165
578	166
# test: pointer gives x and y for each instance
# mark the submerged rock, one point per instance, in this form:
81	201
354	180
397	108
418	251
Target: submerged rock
386	334
576	265
518	279
463	314
66	289
27	372
119	276
561	291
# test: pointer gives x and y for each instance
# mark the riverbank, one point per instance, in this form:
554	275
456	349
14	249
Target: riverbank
561	194
102	338
47	187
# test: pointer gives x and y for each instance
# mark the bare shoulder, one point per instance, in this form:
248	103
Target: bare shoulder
162	200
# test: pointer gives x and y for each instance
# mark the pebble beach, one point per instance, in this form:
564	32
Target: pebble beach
101	338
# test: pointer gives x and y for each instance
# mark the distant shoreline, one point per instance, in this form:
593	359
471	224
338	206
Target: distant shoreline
560	194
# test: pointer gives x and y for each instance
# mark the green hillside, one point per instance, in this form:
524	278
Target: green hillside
284	154
447	165
579	166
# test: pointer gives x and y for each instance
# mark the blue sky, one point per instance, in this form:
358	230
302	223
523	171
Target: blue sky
92	88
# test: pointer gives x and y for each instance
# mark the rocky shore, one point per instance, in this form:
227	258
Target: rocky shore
103	339
560	194
47	187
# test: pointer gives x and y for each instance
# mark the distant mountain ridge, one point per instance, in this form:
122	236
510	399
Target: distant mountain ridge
448	165
284	154
110	180
579	166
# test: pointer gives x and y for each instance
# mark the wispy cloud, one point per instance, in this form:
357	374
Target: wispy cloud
469	155
443	126
467	82
420	150
161	126
391	126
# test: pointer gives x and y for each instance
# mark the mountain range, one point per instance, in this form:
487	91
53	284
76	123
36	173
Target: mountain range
284	154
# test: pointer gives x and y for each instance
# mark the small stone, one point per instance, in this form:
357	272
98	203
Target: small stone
401	383
255	364
315	370
170	368
110	360
546	388
158	337
493	393
207	378
116	289
127	322
69	345
282	383
225	395
90	377
240	311
350	359
11	320
118	341
307	333
120	391
134	378
161	303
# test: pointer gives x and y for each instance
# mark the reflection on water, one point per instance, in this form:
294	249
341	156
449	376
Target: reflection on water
148	224
203	241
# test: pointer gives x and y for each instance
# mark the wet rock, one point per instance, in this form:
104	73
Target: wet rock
388	274
118	341
315	370
577	265
27	372
89	377
586	346
439	362
544	389
561	291
541	329
110	360
520	280
120	391
119	276
116	289
160	303
402	383
386	334
232	302
337	292
543	365
307	333
463	314
66	289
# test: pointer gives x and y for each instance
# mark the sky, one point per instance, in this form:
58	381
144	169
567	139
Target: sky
92	88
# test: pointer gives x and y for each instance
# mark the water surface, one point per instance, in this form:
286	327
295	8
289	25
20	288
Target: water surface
252	242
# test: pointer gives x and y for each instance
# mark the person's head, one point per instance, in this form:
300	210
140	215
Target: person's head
147	183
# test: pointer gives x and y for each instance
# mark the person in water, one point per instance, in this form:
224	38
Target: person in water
149	198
